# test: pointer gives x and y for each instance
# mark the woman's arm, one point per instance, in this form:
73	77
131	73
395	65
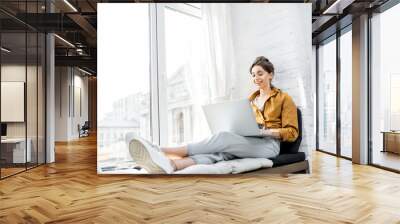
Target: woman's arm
290	130
275	133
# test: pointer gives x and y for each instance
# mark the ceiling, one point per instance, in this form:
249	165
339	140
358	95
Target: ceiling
76	22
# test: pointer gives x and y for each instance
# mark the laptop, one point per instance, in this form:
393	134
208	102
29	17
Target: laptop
234	116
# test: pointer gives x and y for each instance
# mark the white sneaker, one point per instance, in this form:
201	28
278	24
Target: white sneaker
130	136
151	144
146	156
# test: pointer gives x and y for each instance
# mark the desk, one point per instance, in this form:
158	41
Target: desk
16	147
391	141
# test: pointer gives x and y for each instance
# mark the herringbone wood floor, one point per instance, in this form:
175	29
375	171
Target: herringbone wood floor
70	191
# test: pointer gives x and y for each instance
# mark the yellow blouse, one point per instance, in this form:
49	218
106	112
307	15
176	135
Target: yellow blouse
280	112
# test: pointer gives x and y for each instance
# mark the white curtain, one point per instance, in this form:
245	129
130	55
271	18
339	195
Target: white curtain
209	68
198	86
219	53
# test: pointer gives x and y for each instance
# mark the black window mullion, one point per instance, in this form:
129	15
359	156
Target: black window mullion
338	82
26	87
37	90
317	96
369	78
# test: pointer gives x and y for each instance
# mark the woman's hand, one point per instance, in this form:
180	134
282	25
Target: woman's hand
270	132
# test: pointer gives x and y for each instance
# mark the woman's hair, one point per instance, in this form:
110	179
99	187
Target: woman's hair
264	63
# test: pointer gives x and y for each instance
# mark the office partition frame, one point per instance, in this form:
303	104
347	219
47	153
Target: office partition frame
31	30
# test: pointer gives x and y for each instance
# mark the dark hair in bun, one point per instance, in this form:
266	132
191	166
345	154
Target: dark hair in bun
264	63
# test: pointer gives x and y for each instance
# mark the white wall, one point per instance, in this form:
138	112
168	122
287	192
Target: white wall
80	82
68	81
14	72
282	33
61	103
33	126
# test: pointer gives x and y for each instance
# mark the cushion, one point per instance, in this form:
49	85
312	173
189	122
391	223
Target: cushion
288	159
227	167
293	147
217	168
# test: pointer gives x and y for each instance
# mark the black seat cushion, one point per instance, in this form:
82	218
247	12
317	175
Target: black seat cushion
288	159
293	147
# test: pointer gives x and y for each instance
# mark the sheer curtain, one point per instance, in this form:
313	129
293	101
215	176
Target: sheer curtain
209	68
219	55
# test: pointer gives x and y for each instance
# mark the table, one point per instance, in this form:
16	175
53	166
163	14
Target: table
16	147
391	141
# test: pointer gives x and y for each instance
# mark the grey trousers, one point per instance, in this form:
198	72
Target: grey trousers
227	146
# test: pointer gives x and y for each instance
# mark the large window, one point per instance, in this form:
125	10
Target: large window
160	102
335	73
123	84
184	42
346	93
385	84
327	96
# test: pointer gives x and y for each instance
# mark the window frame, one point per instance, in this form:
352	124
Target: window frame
334	37
158	71
371	14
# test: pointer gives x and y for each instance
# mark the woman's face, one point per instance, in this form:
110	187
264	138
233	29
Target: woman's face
261	78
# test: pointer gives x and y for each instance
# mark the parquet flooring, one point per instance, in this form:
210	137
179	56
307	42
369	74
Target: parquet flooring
70	191
10	171
387	159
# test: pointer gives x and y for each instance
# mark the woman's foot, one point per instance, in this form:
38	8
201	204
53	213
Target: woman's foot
149	157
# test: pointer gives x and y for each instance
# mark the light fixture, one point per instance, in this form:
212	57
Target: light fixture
64	40
5	50
84	71
79	51
70	5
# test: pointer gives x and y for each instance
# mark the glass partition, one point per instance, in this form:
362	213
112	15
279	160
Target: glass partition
23	91
14	153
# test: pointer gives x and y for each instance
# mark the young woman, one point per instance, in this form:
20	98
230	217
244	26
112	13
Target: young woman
275	113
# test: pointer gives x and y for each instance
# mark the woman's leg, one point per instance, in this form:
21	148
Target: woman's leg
179	154
182	163
177	151
219	147
225	145
179	164
210	145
